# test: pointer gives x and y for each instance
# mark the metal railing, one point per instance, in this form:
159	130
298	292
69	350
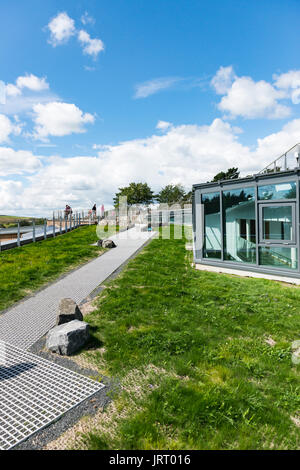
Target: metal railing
287	161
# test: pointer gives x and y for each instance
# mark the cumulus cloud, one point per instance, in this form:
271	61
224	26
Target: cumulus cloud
32	82
184	154
61	28
59	119
18	162
163	125
2	92
223	79
290	82
142	90
90	46
7	128
247	98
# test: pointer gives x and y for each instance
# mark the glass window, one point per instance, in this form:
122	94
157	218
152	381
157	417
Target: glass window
212	226
277	191
239	225
277	222
281	257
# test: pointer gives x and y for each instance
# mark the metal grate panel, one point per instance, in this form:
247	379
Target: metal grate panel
35	392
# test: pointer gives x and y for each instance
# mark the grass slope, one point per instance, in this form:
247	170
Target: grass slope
190	350
24	269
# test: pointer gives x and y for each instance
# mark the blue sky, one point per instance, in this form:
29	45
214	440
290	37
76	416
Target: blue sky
101	93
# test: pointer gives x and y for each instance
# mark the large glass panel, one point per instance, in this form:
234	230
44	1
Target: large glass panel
277	222
277	191
212	226
239	225
281	257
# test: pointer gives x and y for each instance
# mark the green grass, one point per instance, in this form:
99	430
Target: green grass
24	269
190	350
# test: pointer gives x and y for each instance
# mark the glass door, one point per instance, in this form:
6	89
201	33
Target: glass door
277	235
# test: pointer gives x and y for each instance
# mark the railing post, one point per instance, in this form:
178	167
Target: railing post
53	225
45	229
60	225
66	224
18	236
33	230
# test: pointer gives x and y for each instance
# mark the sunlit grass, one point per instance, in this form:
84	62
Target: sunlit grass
24	269
220	385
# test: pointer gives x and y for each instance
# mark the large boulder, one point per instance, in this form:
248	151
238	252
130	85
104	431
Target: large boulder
108	244
66	339
68	310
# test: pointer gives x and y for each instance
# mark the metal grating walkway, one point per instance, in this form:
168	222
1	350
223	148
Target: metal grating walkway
34	393
24	324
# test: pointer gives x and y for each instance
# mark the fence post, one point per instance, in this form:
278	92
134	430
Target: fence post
53	225
33	230
70	225
60	224
45	229
66	224
18	236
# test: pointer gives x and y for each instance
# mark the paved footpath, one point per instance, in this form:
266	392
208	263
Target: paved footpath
25	323
35	392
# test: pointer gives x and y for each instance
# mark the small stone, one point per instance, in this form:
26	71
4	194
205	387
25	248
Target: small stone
68	310
108	244
66	339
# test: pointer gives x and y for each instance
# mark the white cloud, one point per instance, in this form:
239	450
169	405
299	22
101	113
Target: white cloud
32	82
2	92
59	119
12	90
14	162
184	154
7	128
223	79
247	98
289	81
87	19
90	46
62	28
142	90
163	125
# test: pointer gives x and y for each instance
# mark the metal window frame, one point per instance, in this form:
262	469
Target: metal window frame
255	181
267	242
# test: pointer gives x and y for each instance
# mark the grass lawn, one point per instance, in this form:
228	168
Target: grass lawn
191	351
24	269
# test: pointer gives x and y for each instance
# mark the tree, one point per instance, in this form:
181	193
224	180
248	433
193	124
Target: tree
136	193
171	194
230	174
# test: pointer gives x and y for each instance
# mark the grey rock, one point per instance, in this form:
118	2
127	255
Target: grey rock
67	338
108	244
99	242
68	310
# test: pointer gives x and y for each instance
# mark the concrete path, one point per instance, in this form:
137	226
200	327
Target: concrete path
25	323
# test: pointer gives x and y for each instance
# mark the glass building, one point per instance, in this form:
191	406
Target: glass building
249	223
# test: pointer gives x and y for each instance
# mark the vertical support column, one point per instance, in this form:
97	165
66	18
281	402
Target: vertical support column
33	230
257	224
222	224
18	235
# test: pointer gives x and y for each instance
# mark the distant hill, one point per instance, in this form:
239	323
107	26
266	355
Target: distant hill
11	220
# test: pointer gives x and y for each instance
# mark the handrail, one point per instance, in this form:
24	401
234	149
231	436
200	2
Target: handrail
274	162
